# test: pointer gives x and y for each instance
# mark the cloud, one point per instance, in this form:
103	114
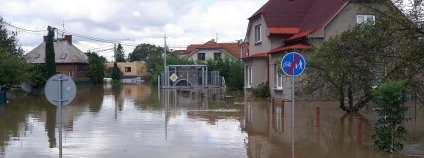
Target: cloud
184	21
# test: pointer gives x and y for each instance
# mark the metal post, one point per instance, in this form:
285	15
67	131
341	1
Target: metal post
358	131
60	115
293	116
317	116
164	58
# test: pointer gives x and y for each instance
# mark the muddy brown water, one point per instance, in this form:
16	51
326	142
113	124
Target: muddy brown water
139	121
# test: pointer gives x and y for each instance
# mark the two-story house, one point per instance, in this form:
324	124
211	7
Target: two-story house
69	59
282	26
214	50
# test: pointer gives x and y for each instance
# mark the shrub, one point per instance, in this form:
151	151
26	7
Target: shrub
390	97
261	91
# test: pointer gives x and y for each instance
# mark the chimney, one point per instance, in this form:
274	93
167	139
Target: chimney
213	40
68	38
44	38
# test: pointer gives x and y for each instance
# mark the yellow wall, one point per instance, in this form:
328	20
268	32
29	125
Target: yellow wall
137	68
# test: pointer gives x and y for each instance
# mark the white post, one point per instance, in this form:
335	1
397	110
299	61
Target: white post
293	116
60	115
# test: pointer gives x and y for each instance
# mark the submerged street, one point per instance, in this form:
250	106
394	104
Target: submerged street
141	121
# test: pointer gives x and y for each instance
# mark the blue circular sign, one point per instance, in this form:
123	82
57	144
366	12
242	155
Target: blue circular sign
293	64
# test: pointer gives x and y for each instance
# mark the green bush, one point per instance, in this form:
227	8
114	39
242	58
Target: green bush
390	97
261	91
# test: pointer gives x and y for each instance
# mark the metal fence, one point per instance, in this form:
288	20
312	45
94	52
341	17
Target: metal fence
189	76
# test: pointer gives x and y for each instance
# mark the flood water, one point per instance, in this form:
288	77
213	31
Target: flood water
140	121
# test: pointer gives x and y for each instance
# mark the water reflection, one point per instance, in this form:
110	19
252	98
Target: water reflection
135	120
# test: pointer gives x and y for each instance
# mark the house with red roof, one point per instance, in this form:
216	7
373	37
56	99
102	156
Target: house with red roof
282	26
214	50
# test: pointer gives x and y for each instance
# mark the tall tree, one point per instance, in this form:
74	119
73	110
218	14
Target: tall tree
116	72
13	66
96	68
149	53
119	54
50	64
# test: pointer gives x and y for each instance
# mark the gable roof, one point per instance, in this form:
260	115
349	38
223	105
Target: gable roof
232	49
64	53
293	17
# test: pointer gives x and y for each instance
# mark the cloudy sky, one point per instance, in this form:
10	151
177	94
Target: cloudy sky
130	22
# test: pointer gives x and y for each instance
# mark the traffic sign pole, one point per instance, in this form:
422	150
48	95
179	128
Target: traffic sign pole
60	115
292	116
293	64
67	90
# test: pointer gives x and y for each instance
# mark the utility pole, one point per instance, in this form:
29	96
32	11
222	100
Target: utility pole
164	63
114	51
241	49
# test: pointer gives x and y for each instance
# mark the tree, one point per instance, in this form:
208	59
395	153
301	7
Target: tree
96	68
119	54
13	66
149	53
116	72
390	97
50	64
353	63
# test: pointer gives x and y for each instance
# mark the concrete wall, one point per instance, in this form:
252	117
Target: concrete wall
265	45
259	73
209	53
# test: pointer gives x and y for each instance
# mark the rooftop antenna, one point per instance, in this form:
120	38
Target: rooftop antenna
63	28
216	40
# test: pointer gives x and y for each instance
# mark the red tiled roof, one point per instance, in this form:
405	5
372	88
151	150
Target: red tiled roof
259	55
300	35
291	47
303	15
231	48
210	44
192	48
282	31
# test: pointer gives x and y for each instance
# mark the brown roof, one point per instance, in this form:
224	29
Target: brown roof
64	53
232	49
298	16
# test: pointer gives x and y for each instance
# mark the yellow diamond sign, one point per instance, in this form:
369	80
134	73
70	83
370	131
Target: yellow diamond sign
173	77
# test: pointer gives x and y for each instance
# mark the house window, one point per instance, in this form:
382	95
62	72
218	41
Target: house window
71	74
249	76
278	81
216	56
63	56
37	56
365	18
201	56
258	33
127	69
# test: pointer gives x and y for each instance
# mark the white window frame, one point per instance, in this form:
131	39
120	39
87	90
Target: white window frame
365	17
71	74
249	76
278	81
258	33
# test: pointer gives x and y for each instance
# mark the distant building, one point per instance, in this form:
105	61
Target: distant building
69	59
214	50
180	53
132	70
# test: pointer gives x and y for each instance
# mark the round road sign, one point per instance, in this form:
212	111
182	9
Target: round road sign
66	86
293	64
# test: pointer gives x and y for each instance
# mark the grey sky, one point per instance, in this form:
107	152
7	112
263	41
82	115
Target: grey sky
141	21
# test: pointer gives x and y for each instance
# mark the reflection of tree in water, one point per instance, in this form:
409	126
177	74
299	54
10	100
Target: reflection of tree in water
116	89
14	118
51	113
95	100
336	140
